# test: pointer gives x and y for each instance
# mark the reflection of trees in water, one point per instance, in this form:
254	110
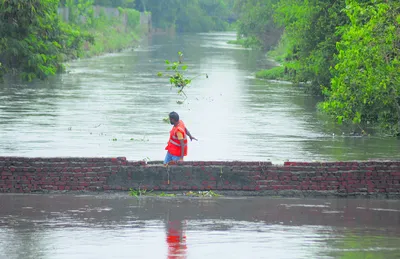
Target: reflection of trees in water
361	245
331	218
282	103
345	148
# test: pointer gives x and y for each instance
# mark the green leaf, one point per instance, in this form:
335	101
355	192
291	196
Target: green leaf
340	120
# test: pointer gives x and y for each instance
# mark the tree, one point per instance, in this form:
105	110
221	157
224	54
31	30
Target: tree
310	28
365	88
347	51
256	23
34	41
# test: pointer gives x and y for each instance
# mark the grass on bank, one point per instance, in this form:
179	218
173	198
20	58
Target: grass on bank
280	52
275	73
111	34
112	38
241	42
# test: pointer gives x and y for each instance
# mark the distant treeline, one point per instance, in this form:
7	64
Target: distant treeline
183	15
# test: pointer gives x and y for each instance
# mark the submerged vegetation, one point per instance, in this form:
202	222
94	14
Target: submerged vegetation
144	192
175	73
346	51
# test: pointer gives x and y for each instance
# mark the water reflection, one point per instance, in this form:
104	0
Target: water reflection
71	226
176	240
355	245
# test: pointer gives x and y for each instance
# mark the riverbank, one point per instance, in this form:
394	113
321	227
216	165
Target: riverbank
279	72
371	179
110	40
57	35
121	29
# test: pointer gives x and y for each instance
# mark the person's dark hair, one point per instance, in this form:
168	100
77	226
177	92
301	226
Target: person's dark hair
174	115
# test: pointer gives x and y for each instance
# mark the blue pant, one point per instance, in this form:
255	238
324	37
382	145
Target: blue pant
169	158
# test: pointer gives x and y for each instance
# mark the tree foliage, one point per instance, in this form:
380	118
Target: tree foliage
310	34
108	3
256	23
365	86
175	72
347	51
34	42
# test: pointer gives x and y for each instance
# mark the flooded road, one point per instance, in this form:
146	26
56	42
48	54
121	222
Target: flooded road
111	226
114	105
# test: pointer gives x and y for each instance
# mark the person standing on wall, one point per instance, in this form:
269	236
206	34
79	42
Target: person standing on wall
177	145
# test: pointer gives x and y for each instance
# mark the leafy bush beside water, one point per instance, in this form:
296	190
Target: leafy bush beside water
34	42
346	51
37	42
275	73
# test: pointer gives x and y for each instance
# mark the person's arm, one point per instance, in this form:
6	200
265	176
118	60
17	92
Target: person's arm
182	148
190	135
182	143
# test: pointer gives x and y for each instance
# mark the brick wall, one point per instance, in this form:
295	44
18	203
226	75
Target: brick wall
19	174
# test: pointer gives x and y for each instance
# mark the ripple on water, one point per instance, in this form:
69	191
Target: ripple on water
305	205
378	209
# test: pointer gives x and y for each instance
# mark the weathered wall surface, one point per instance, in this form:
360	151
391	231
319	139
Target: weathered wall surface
369	178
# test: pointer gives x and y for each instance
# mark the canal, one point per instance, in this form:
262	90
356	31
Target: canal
114	105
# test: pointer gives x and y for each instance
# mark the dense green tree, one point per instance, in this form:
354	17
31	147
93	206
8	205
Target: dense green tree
347	51
34	42
365	86
256	23
310	28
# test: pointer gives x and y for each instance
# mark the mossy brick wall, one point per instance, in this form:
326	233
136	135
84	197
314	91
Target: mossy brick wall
20	174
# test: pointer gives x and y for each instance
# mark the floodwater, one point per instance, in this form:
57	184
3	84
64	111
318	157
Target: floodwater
119	226
114	105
